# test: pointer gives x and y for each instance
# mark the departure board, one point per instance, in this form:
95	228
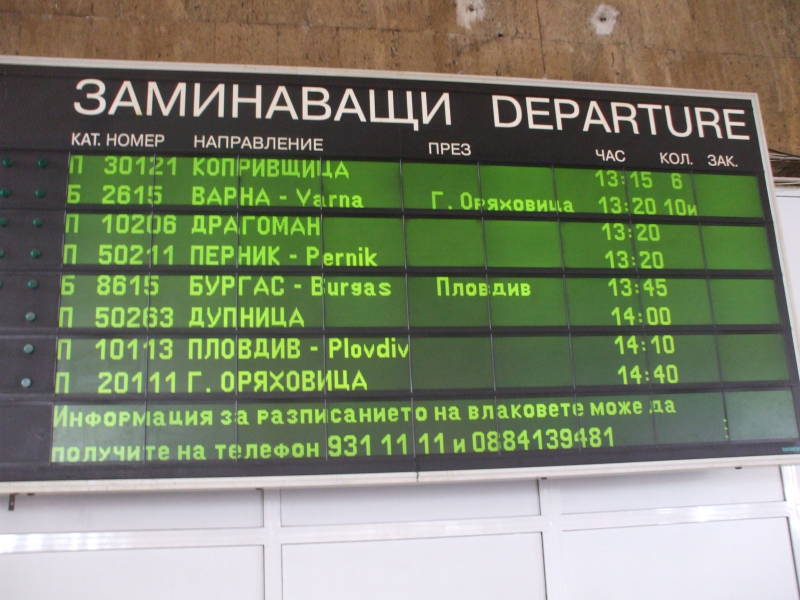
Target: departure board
248	273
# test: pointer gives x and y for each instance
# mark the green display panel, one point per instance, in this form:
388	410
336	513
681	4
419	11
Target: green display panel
416	304
387	314
433	291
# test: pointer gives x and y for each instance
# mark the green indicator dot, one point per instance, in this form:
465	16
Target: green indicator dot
5	192
37	222
7	162
28	348
39	193
33	284
26	382
42	163
2	253
30	316
35	253
3	221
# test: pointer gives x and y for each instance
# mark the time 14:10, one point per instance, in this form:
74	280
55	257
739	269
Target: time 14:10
632	344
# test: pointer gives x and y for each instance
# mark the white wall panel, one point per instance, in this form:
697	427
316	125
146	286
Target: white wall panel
198	574
787	221
130	512
724	560
467	568
409	503
661	490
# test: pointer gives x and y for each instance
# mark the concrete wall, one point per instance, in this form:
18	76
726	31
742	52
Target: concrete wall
745	45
